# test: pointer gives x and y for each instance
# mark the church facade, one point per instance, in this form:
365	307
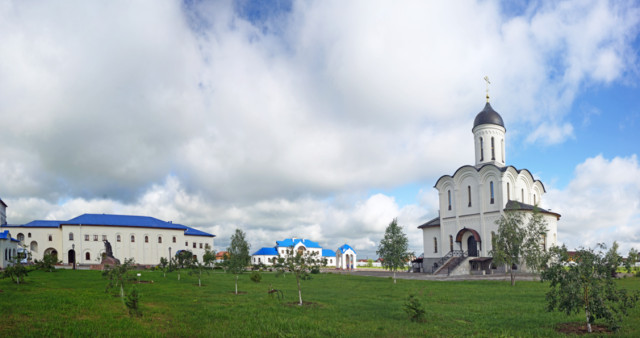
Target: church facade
476	196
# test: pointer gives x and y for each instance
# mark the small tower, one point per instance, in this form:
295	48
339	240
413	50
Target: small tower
488	133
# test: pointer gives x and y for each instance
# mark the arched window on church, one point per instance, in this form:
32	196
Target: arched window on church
450	242
449	193
87	256
522	195
481	150
535	202
491	188
435	245
508	192
469	193
493	150
502	141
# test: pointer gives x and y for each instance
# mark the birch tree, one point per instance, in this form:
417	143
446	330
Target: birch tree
238	255
393	248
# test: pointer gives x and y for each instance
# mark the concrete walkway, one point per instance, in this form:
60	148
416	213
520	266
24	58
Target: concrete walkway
424	276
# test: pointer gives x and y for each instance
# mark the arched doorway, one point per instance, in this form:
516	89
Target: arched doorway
472	246
71	256
52	252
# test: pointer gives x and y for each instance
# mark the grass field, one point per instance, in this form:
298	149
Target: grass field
74	303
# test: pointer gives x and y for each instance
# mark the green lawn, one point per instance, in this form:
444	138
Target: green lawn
74	303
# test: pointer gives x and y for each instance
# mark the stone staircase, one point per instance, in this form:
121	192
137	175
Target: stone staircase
449	262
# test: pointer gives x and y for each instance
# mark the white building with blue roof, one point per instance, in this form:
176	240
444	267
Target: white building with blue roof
80	239
8	248
269	255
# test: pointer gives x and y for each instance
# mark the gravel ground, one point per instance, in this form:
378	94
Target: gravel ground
423	276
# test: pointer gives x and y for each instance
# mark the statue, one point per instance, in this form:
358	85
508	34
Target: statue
108	256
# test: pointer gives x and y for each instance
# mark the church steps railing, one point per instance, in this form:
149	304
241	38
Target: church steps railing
440	264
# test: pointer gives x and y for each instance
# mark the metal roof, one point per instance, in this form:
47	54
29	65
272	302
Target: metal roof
288	242
328	253
266	252
346	247
431	224
488	116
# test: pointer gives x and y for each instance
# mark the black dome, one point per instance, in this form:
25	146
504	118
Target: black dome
488	116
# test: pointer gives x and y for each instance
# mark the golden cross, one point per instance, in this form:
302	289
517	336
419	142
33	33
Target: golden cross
486	78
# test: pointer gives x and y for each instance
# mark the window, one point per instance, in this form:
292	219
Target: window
502	151
146	239
259	260
493	150
522	195
70	236
469	193
450	242
133	238
87	256
194	245
86	238
481	150
186	243
449	193
21	237
508	192
159	239
435	245
50	238
104	238
29	235
95	238
174	239
118	238
200	245
491	188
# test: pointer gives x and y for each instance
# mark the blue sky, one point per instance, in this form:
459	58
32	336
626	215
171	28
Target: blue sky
316	119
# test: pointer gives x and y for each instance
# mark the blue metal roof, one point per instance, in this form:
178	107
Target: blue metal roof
328	253
346	247
294	241
114	220
5	235
266	252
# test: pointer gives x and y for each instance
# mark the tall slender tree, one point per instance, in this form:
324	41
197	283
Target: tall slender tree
238	255
393	248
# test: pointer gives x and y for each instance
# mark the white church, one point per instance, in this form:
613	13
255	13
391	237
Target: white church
458	241
344	258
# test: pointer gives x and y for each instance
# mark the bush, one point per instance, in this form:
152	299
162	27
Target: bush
256	276
414	308
132	303
47	263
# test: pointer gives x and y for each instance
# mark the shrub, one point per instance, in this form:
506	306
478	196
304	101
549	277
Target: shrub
256	276
414	308
132	303
47	263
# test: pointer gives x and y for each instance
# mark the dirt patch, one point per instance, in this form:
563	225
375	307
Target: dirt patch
304	304
581	328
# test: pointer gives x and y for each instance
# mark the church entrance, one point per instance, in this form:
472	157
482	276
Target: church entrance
472	246
72	256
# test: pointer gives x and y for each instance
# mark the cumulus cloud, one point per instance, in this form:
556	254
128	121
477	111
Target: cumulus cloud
601	203
278	120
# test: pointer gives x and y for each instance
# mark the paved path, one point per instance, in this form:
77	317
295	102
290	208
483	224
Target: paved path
423	276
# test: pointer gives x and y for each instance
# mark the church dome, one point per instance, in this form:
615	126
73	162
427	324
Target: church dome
488	116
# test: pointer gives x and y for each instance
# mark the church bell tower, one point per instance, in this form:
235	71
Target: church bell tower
488	133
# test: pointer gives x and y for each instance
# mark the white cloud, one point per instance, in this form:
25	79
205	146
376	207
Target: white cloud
191	111
601	204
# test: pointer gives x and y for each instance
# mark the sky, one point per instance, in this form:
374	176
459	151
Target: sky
315	119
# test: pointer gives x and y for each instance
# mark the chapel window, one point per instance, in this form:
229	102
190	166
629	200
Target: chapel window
502	151
146	239
200	245
87	256
29	235
435	245
186	243
159	239
70	236
450	242
508	192
104	238
491	187
194	245
133	238
481	150
449	193
469	193
95	238
118	238
493	150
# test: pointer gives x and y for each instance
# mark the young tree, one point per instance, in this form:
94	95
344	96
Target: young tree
632	258
48	263
118	275
209	258
300	262
239	256
15	271
196	269
164	266
517	242
393	248
586	283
